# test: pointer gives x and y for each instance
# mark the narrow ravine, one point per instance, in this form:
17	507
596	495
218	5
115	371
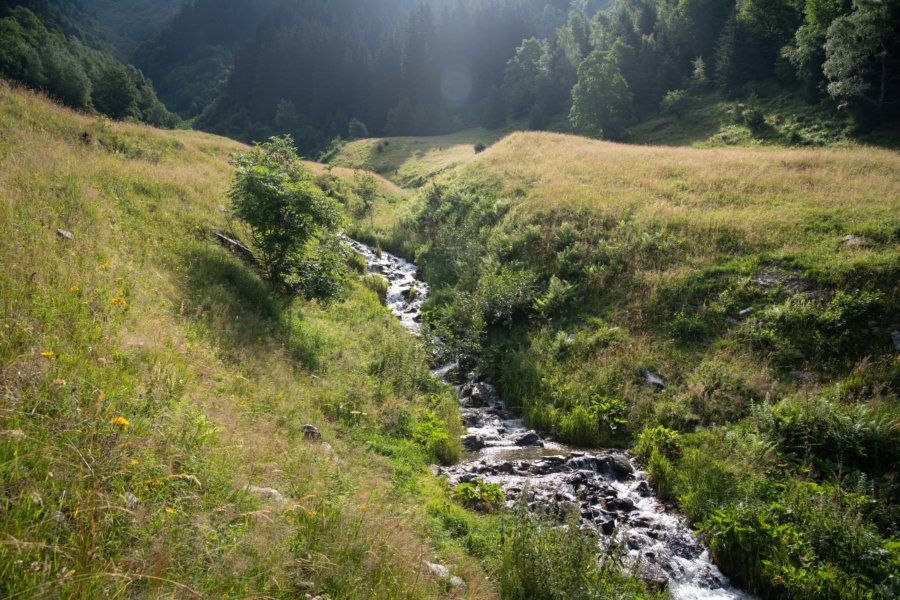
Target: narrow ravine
603	487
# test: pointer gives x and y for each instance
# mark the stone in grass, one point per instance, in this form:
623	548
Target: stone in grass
654	380
267	493
855	241
443	573
65	234
311	433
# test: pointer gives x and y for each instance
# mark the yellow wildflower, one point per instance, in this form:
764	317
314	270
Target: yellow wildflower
362	508
135	462
170	510
120	422
118	301
105	265
74	289
48	354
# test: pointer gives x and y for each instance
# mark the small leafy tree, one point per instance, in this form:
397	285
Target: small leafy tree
863	54
274	194
675	102
601	101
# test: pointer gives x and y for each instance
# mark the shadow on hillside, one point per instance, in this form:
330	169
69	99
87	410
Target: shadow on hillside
238	311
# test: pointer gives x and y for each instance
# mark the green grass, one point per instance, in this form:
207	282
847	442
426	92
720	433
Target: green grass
149	376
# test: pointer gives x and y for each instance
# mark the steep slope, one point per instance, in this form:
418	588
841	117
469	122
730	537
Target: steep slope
147	377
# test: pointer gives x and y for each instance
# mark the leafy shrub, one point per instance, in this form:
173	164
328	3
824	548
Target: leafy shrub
675	102
558	294
666	441
480	147
275	195
432	433
833	436
479	495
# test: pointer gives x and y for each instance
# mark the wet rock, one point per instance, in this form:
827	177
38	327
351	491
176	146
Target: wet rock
529	438
617	465
310	432
654	576
620	504
435	470
608	526
643	489
473	442
895	337
507	468
65	234
467	477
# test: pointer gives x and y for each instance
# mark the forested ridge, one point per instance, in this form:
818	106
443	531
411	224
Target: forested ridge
253	68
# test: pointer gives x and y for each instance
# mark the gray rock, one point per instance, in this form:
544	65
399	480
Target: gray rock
895	337
608	526
620	504
435	470
267	493
643	489
529	438
65	234
473	442
855	241
655	380
443	573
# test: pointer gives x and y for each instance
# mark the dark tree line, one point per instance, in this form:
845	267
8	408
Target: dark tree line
641	56
41	48
190	59
396	66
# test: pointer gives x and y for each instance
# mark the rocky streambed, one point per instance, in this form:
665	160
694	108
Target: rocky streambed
604	489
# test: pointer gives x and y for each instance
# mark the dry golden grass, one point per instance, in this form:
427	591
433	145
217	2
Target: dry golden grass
413	161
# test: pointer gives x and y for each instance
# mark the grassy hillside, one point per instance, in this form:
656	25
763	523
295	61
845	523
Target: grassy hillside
149	376
741	299
412	161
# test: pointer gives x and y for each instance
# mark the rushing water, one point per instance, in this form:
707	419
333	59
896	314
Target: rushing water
602	487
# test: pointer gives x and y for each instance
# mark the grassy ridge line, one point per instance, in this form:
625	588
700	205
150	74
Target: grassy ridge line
412	162
148	376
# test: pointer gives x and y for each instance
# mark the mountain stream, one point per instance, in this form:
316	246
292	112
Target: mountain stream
604	487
